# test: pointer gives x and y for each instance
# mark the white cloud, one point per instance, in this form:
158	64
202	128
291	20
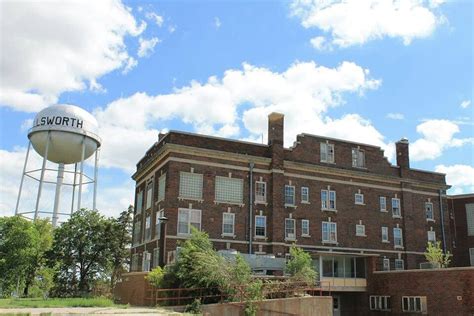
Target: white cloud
171	28
396	116
461	177
130	64
304	92
465	104
217	22
437	135
147	46
355	22
45	44
320	43
158	19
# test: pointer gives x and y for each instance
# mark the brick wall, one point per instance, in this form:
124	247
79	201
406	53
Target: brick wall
457	209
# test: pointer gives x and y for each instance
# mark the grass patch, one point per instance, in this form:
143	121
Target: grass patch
57	302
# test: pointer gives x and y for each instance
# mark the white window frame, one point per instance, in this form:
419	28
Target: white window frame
397	241
397	214
429	212
380	303
411	300
358	158
431	236
259	198
224	194
231	215
305	227
305	195
146	261
288	235
157	223
156	256
326	152
148	227
287	192
137	232
189	223
399	264
190	186
383	205
360	230
264	226
331	230
386	264
326	201
161	187
149	196
385	229
361	199
135	262
139	205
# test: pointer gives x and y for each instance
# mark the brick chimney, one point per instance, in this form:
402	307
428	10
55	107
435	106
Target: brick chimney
403	159
275	138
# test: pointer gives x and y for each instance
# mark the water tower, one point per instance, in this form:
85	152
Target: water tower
63	134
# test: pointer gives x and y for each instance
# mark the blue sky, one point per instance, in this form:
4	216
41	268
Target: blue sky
370	71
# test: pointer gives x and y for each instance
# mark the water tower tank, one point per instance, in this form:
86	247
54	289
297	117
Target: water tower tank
67	125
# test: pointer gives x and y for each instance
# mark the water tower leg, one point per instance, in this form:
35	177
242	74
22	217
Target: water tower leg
40	187
73	188
22	177
79	196
95	180
59	183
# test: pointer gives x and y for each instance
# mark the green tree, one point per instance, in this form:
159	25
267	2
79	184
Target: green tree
435	255
22	247
299	266
121	238
82	251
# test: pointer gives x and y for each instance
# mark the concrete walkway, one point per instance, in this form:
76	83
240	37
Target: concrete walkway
89	311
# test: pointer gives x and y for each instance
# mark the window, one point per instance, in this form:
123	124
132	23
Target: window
156	257
399	264
188	218
360	230
397	237
149	195
139	202
432	236
396	207
135	262
470	219
359	198
289	195
137	232
471	256
304	227
290	228
158	223
228	224
327	152
328	200
304	195
384	234
386	264
229	190
148	227
190	185
380	303
429	211
161	187
414	303
383	203
358	158
260	192
260	226
329	232
146	261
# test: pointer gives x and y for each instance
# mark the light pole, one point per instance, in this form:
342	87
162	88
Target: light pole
163	221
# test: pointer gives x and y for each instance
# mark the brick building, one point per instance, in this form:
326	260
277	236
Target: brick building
461	210
341	201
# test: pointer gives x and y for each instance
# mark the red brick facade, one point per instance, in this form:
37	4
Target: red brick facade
301	166
459	206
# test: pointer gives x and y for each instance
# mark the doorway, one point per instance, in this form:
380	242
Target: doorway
336	305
